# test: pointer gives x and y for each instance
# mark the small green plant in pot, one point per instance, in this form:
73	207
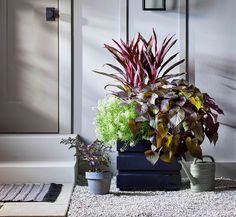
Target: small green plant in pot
97	156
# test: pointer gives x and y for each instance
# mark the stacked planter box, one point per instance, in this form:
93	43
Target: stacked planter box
136	173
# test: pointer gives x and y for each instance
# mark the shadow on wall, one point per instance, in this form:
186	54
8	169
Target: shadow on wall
202	5
222	71
173	5
29	73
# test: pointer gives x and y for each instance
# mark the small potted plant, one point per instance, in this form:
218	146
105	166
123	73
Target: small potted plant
177	115
97	156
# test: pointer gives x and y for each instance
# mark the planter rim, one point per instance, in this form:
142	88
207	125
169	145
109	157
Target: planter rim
98	175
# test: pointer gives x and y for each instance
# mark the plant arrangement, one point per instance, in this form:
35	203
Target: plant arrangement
177	115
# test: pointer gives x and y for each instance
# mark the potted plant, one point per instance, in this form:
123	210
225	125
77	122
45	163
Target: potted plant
96	154
177	114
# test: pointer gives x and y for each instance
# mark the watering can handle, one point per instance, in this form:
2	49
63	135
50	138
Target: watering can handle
204	156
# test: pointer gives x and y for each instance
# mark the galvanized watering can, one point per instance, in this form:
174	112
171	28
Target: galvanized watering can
201	174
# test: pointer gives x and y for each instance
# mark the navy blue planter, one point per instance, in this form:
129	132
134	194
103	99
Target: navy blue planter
136	173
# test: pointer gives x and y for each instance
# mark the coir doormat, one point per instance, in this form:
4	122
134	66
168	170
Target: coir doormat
29	192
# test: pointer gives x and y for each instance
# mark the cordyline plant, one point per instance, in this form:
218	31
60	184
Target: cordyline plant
142	63
96	153
178	114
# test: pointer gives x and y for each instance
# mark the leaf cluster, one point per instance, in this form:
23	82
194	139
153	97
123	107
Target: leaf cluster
179	116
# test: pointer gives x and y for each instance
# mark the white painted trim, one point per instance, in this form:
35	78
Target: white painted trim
33	164
35	147
65	67
182	35
37	172
123	19
36	158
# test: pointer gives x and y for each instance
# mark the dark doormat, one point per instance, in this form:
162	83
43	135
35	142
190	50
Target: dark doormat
29	192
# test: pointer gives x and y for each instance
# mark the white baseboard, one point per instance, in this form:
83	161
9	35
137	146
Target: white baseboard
36	158
37	172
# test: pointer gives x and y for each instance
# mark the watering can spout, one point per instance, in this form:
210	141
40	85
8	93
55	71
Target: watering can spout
187	171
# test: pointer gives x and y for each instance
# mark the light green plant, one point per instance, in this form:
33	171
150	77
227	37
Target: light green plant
113	120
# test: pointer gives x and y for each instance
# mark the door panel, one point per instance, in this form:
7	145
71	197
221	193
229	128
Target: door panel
165	23
212	31
28	67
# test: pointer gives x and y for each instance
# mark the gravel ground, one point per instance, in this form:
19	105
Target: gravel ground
183	203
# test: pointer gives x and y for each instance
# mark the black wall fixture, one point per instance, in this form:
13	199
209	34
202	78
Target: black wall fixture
154	5
51	14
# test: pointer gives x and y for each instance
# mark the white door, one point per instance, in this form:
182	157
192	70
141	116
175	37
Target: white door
165	22
30	94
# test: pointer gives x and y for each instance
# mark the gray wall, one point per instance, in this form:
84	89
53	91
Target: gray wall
213	65
96	23
212	55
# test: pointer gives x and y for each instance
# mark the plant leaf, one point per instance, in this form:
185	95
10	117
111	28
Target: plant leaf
196	102
164	105
153	98
177	117
176	143
162	131
173	75
168	143
112	76
134	127
181	101
152	156
198	131
167	61
158	141
154	122
117	69
172	67
166	157
193	147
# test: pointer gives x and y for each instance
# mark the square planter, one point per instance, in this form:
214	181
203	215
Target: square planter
136	173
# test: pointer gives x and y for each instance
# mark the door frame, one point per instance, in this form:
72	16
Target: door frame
43	148
65	67
65	88
183	6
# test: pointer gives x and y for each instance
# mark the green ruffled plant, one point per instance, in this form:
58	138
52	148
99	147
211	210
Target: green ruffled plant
114	121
